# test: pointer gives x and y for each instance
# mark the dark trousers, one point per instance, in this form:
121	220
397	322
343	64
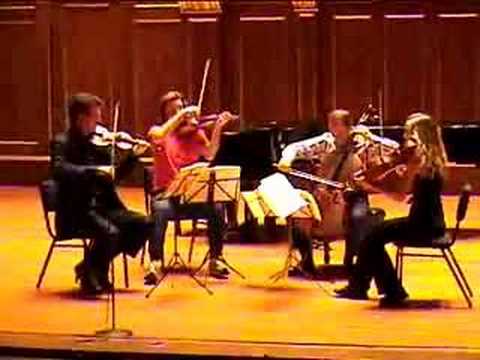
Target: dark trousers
170	209
115	232
303	243
373	260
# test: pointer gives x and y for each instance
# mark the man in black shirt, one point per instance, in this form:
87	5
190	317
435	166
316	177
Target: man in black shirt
88	205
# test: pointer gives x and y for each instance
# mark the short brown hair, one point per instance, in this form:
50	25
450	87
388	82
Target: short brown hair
167	98
81	104
342	115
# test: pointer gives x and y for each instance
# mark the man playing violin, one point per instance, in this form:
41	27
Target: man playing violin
178	142
88	205
338	155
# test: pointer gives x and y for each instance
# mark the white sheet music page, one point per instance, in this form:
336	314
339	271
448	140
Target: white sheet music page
280	196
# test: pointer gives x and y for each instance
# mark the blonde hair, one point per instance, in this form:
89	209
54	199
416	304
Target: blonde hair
429	135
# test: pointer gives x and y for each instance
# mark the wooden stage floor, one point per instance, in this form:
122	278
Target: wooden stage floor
252	317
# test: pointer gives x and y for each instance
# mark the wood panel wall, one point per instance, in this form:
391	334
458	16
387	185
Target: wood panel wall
273	60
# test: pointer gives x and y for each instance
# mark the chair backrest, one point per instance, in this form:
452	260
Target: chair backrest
49	196
147	186
463	201
462	208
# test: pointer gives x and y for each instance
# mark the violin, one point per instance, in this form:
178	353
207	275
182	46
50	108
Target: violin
206	122
123	140
404	156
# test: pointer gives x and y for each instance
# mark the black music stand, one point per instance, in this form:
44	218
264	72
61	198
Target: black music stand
219	186
262	206
177	264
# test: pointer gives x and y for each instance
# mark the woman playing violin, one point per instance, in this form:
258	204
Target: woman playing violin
178	142
424	222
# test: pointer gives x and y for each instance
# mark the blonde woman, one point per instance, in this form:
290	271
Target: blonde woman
424	222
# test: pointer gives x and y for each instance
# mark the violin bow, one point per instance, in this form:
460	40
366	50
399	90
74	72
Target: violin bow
380	111
204	83
380	118
116	114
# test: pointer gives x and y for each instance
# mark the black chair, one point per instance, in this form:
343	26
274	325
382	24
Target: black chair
48	194
148	193
443	245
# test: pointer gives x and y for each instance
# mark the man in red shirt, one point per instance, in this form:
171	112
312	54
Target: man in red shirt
180	142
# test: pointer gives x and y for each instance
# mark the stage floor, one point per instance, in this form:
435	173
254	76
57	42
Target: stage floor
248	316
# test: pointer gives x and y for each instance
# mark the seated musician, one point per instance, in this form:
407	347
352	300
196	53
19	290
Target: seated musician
337	155
178	142
425	220
88	205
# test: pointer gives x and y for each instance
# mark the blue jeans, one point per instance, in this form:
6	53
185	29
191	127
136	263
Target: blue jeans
170	209
359	219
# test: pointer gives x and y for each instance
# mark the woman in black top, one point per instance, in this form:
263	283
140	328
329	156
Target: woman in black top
424	222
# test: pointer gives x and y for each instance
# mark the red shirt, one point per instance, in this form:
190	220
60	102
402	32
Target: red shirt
172	153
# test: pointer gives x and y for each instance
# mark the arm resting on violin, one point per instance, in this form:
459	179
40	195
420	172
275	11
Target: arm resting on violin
397	196
158	132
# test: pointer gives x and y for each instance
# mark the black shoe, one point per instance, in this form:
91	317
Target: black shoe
396	300
349	292
153	271
150	279
296	272
89	284
217	271
105	284
304	273
103	280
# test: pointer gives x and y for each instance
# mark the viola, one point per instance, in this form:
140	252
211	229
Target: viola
402	157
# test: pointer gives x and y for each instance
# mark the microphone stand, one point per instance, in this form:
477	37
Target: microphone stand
113	331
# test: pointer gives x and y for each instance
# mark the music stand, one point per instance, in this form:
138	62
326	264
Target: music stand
215	185
179	186
262	205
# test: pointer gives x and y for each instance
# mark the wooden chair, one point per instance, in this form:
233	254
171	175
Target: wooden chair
442	248
49	196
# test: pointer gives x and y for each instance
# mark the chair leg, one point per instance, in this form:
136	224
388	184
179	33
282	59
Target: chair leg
142	255
192	241
399	264
85	248
457	278
460	272
125	270
45	264
326	252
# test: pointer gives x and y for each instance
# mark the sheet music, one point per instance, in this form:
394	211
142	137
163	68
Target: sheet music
183	178
280	195
225	187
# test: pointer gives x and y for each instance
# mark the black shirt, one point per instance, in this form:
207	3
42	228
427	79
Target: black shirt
426	211
82	188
